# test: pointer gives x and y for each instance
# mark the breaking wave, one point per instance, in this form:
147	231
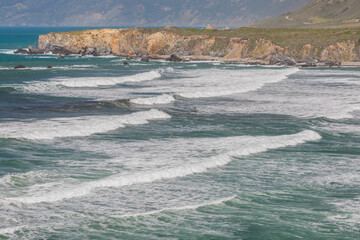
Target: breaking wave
75	126
253	145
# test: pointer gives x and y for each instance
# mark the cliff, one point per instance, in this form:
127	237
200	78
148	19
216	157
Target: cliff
276	46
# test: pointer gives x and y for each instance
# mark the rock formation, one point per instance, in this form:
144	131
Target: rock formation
19	66
161	44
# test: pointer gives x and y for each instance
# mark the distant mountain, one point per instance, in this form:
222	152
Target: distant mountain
318	13
232	13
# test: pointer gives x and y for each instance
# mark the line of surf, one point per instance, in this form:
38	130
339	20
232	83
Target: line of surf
75	126
214	85
260	144
87	82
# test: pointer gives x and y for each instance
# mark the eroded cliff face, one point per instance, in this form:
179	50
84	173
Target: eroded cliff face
134	42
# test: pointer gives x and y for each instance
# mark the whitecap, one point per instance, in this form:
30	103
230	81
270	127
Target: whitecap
75	126
87	82
216	83
10	230
161	99
7	51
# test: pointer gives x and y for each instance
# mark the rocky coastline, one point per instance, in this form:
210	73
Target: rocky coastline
163	44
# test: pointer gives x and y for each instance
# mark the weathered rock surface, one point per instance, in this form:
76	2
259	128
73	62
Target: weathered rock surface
21	51
134	43
19	66
174	58
145	59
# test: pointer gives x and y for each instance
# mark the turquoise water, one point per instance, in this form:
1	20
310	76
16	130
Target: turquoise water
94	149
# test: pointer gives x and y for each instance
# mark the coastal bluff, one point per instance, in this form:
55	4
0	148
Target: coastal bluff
302	47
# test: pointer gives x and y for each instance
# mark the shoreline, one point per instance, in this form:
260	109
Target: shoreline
245	61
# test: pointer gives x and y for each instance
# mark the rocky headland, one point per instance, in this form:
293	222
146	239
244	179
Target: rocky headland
294	47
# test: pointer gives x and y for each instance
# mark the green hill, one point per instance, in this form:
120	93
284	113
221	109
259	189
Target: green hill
318	14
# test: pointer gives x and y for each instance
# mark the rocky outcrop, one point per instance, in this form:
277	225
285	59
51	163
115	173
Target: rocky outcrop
136	43
19	66
175	58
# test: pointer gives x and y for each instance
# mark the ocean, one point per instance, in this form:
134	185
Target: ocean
95	149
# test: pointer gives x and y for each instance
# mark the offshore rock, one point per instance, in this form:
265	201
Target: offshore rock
145	59
175	58
21	51
332	64
19	66
277	59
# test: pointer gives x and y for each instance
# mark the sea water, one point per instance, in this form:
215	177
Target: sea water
95	149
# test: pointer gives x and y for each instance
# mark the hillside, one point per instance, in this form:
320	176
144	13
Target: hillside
318	14
232	13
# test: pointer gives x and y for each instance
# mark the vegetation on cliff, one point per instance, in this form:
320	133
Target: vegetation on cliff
316	14
284	37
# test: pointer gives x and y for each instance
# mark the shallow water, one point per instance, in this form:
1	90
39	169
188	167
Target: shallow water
94	149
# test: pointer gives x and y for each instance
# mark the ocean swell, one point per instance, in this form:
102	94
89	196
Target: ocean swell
256	145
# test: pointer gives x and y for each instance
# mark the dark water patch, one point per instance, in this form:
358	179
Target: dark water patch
192	125
92	105
6	90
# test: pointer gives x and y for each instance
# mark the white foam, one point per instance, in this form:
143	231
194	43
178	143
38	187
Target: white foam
5	68
334	128
216	83
182	208
43	57
301	96
10	230
7	51
348	213
88	82
161	99
108	81
251	146
16	179
76	126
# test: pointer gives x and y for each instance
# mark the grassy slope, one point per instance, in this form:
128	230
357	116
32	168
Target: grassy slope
318	13
281	36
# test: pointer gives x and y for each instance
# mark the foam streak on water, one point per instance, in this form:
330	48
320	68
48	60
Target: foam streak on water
76	126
